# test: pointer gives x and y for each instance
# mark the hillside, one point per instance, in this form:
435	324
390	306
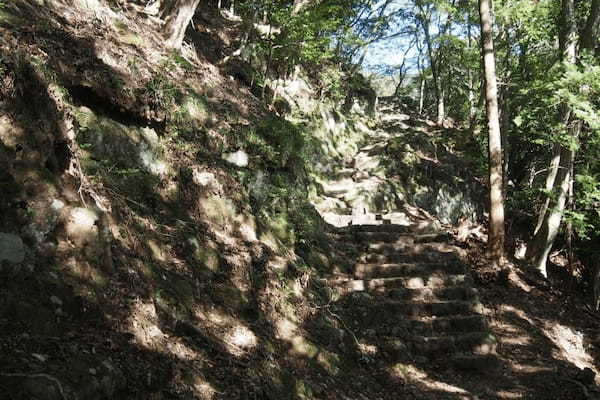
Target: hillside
172	227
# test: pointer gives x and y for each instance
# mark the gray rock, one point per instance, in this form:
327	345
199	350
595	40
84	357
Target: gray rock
239	158
12	248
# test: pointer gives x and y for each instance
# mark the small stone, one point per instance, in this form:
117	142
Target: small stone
56	300
203	178
12	248
39	357
239	158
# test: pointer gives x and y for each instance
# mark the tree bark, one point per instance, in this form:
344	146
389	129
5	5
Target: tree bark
433	65
591	32
177	22
496	202
301	5
541	243
550	178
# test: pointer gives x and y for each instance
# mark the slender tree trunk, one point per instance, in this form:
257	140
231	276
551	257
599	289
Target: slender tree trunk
496	204
421	94
550	178
441	108
434	70
178	20
541	244
470	80
542	241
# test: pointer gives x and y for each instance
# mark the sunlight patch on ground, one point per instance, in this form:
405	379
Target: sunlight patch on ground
530	369
408	372
570	345
143	324
368	350
504	394
204	389
517	340
505	308
239	339
285	329
181	350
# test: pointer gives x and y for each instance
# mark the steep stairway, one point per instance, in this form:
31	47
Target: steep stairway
408	294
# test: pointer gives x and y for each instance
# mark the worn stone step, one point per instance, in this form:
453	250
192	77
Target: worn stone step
390	228
464	292
408	243
337	188
398	238
473	343
438	326
346	284
376	237
344	173
369	271
391	311
408	257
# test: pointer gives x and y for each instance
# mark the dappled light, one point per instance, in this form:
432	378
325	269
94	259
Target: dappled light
245	200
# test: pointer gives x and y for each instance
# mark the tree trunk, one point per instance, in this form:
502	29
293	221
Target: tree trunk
421	94
541	244
301	5
441	109
591	31
496	202
434	70
470	82
542	241
177	22
550	178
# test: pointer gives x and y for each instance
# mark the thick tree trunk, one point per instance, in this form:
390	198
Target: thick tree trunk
591	32
178	20
496	204
541	243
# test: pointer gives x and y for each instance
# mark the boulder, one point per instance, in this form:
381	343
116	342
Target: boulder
12	248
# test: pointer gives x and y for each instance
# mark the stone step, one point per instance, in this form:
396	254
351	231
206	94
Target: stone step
377	237
346	284
345	173
464	292
440	325
390	228
380	239
369	271
406	245
338	188
473	343
408	257
391	311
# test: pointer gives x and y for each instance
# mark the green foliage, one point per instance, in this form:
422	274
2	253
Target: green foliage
280	142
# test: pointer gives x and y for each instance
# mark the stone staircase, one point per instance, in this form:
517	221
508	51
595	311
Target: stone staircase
409	294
